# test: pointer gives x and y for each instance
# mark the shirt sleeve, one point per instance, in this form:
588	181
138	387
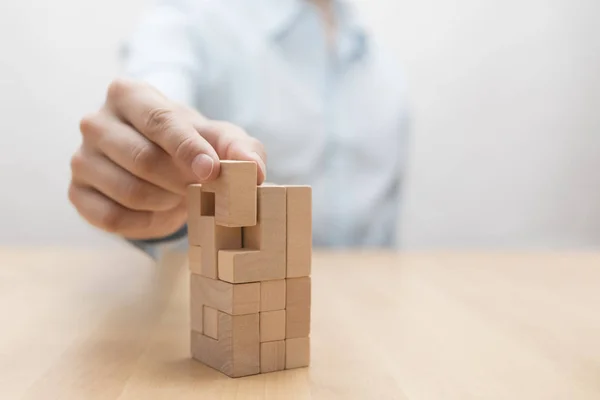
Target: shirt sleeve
164	50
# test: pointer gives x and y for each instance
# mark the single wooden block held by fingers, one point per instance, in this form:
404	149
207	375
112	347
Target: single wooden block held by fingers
299	231
226	297
272	356
235	193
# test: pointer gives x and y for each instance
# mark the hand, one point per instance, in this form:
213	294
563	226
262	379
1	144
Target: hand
139	153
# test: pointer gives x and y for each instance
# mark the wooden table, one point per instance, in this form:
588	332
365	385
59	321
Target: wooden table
114	325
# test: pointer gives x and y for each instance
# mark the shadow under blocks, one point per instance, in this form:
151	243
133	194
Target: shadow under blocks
250	262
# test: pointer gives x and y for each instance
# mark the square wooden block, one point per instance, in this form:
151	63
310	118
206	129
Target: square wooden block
272	325
297	352
272	295
272	356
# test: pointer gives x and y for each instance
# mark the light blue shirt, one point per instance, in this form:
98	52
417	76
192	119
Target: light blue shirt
335	120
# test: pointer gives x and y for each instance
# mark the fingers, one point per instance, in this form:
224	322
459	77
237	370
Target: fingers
98	172
233	143
160	122
105	214
133	152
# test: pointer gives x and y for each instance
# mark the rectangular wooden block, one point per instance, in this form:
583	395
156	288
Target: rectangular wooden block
224	296
236	352
272	356
235	193
272	325
240	266
299	231
272	295
269	233
297	352
298	292
210	238
297	322
210	325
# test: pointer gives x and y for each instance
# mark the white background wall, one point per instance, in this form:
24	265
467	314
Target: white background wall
506	107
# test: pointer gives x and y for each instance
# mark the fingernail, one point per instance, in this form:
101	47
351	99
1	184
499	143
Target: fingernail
261	163
203	166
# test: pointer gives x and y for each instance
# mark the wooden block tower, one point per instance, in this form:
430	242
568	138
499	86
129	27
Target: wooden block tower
250	251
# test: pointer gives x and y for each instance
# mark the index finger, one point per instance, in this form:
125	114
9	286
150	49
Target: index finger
154	116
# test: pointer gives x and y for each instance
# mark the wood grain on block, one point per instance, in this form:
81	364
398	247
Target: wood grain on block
272	356
297	322
297	352
269	233
226	297
196	317
236	352
272	295
210	325
272	325
239	266
299	231
298	292
235	193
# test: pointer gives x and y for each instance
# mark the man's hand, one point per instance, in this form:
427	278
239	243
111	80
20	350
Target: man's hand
140	151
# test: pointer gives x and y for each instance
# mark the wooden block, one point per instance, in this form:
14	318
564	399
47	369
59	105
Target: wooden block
297	352
240	266
298	305
224	296
269	233
299	231
210	238
196	317
272	295
210	325
236	352
298	292
297	322
235	193
272	325
272	356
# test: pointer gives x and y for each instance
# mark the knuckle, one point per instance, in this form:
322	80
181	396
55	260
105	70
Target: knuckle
118	88
145	158
186	148
77	161
91	124
110	219
133	192
72	195
159	120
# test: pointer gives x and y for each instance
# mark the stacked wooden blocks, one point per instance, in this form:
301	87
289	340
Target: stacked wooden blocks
250	262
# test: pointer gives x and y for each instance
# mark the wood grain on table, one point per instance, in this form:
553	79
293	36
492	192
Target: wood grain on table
87	324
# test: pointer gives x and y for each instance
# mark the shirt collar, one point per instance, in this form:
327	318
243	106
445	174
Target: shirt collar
280	15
